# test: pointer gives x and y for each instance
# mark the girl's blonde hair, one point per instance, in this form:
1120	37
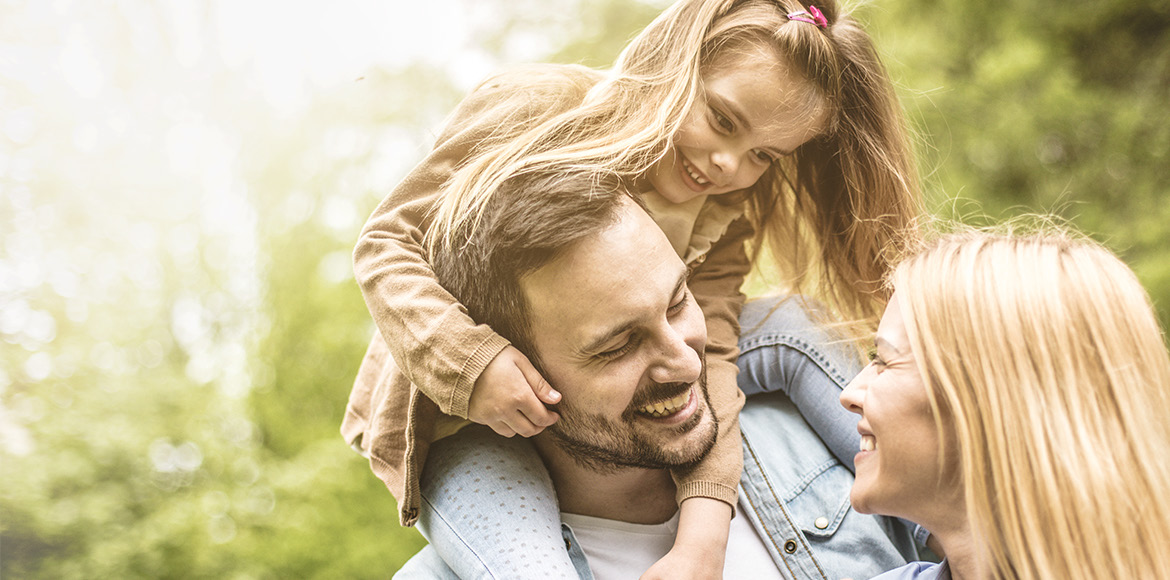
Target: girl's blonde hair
1048	371
830	213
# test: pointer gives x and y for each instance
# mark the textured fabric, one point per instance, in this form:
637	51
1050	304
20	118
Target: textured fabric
918	571
415	381
780	350
795	495
488	498
621	550
794	492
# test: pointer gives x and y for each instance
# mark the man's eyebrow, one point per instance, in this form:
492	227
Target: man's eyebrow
595	346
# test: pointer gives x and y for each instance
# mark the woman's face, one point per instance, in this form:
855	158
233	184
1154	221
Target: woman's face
752	109
897	467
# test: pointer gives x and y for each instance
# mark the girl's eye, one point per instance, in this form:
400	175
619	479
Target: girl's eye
764	157
722	121
874	359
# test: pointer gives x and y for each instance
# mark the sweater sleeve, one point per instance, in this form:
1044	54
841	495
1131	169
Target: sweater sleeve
429	333
715	284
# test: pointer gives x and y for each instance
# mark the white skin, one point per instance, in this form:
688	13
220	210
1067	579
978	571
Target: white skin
620	335
898	470
753	108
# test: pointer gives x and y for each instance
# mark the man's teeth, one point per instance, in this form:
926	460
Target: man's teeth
867	443
695	176
669	407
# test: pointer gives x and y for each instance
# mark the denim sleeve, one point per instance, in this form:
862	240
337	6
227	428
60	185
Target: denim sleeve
489	509
783	349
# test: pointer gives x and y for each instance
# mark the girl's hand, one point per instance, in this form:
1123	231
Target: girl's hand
701	544
509	396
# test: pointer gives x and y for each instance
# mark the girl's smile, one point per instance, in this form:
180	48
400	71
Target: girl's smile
753	110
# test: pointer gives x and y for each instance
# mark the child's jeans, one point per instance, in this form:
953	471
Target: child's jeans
488	506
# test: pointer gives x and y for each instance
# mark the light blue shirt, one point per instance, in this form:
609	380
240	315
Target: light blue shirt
918	571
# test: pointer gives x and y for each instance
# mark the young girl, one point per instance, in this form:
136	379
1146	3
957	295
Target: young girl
1041	451
739	120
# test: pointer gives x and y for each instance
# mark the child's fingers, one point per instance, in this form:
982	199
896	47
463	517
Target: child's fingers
536	413
543	390
502	429
522	426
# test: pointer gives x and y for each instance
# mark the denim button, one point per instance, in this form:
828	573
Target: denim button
790	547
821	523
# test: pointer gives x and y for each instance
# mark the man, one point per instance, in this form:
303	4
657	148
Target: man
590	289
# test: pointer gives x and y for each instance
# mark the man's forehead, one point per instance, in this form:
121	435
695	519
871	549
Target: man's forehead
604	283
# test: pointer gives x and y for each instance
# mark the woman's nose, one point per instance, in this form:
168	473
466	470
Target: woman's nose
853	397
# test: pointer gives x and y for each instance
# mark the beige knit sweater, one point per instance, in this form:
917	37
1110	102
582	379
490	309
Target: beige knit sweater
416	378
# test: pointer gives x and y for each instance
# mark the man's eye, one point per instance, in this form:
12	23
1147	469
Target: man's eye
677	306
619	351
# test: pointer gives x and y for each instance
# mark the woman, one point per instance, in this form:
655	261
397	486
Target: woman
1016	407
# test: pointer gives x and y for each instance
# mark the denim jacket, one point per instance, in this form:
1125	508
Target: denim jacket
795	493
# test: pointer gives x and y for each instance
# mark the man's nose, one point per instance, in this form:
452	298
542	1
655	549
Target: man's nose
676	361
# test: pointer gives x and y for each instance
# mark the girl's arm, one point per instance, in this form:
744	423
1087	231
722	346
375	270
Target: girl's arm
429	334
707	493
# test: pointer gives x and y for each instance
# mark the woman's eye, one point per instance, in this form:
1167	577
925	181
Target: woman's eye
764	157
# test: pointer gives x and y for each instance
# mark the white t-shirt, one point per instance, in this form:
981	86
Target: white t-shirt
621	550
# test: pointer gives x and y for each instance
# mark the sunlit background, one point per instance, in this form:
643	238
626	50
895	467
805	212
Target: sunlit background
182	182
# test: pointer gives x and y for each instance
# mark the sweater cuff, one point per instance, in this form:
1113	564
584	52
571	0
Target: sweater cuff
708	489
470	371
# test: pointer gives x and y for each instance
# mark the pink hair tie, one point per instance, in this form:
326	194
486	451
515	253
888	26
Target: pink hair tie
813	16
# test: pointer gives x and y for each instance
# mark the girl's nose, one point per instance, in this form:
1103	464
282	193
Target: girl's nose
727	163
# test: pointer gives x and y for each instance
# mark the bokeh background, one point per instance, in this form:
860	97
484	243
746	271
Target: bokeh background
182	182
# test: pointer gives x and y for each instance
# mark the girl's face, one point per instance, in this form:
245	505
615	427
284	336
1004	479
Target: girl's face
752	110
897	468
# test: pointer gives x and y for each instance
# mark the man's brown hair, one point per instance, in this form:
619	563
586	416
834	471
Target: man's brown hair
528	223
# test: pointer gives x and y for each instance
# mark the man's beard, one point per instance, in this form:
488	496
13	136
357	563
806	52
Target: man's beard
604	444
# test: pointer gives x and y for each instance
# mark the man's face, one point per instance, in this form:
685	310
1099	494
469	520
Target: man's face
620	336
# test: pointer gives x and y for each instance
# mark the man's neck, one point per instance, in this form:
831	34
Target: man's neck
627	494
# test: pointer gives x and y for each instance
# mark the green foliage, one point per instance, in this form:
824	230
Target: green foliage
179	320
1043	106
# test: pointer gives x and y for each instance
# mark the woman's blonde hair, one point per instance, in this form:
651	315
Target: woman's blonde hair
830	213
1048	371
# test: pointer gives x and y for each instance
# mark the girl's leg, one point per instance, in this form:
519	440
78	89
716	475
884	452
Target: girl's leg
783	349
489	508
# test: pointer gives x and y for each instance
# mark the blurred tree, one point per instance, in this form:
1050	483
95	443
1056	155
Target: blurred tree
179	320
1043	106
